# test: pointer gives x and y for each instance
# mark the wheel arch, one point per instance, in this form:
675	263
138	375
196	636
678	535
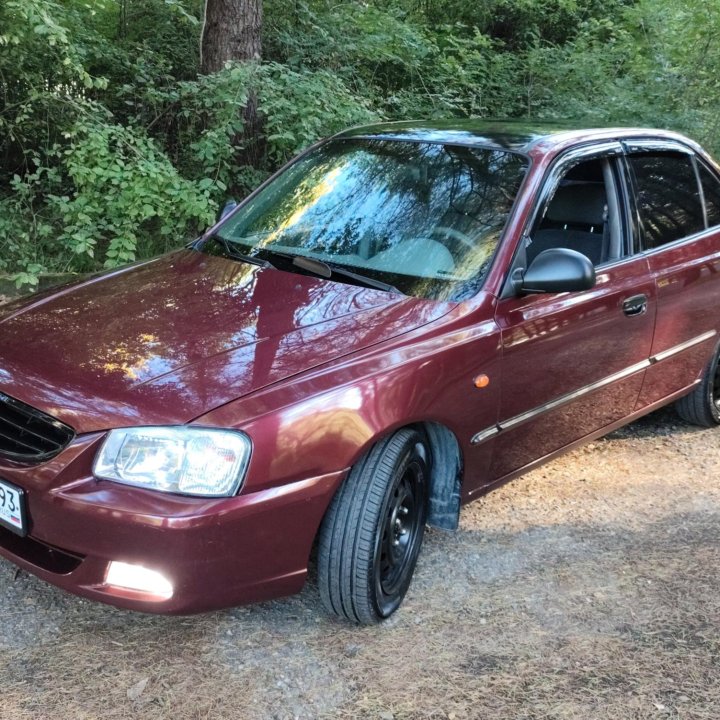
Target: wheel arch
446	470
446	476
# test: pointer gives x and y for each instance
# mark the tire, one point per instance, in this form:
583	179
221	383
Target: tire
702	405
371	535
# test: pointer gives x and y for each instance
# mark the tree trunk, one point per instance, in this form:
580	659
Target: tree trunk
232	31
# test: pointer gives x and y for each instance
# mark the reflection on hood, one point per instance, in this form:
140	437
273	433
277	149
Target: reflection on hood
168	340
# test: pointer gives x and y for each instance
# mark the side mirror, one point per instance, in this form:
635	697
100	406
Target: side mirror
227	208
558	270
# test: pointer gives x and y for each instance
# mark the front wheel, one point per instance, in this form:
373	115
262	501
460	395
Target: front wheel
371	535
702	405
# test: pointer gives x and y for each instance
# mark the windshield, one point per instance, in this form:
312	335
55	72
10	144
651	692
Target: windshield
424	218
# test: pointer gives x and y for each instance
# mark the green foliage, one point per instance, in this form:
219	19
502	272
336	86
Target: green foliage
43	78
300	107
125	187
207	131
113	147
24	228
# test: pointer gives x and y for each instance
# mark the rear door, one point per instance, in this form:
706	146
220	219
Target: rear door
574	362
678	204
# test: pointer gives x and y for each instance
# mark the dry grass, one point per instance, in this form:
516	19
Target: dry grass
589	588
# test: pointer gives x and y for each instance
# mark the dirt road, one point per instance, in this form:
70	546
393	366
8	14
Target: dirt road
588	589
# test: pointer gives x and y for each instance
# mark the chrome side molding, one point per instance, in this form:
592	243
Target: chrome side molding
682	346
575	394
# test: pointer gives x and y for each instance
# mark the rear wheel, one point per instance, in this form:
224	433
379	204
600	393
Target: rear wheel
702	405
371	535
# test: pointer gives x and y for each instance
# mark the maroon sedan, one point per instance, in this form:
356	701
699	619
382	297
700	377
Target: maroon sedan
405	317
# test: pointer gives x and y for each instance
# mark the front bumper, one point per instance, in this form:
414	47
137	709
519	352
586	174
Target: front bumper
216	552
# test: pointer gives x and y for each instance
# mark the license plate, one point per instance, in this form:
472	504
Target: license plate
12	508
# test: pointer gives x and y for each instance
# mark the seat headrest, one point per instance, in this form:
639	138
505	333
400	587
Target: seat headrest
584	203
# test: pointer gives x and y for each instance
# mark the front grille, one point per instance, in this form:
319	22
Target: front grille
28	435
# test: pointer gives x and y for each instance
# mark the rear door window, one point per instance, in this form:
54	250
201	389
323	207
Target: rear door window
668	196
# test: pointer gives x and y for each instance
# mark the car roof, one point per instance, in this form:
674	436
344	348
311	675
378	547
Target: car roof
514	135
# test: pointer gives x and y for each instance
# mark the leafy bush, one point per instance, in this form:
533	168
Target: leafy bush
112	147
124	188
300	107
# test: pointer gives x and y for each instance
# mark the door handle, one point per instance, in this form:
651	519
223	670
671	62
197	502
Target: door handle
635	305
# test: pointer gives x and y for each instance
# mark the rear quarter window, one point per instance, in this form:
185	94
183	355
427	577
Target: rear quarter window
668	196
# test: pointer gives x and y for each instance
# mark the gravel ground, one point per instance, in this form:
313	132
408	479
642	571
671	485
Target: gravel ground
587	587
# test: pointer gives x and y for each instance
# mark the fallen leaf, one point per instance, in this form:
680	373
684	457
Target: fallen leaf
136	690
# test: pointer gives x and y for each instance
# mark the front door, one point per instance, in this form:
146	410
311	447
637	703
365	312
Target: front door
574	362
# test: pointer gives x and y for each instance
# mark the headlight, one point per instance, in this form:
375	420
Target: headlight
185	460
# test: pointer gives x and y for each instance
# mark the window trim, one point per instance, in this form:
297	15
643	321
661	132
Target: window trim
634	225
701	191
709	167
631	145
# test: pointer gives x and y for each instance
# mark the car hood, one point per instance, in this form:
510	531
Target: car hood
166	341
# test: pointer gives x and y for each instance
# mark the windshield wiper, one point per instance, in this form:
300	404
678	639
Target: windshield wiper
236	255
319	267
326	270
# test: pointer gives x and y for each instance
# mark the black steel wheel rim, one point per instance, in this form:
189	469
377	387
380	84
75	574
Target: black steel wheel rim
400	535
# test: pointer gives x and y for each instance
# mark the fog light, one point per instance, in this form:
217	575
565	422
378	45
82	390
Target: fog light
136	577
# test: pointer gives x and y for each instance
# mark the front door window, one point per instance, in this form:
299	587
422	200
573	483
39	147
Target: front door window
582	214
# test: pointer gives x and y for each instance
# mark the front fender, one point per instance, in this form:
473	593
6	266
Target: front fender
324	420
